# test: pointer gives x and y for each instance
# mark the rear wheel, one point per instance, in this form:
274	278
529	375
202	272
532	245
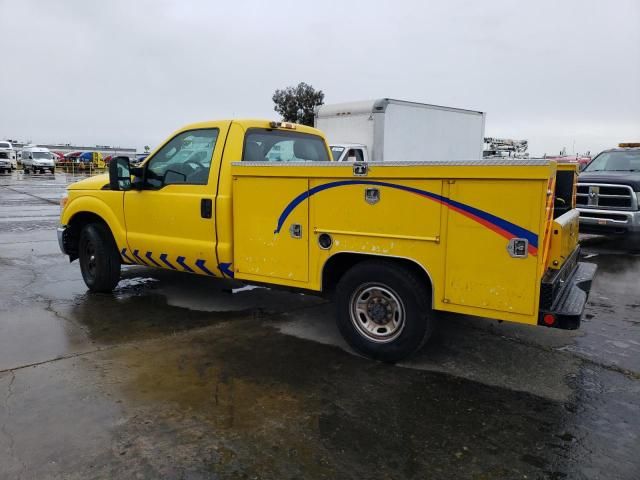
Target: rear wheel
384	310
99	258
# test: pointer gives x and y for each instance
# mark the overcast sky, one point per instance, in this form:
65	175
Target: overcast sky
130	72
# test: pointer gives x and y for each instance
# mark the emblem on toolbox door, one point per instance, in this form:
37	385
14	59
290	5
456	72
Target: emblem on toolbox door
295	230
360	169
518	247
372	195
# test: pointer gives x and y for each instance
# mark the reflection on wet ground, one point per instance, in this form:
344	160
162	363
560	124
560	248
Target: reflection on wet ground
178	376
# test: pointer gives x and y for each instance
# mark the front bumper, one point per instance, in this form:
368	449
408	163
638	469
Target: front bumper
609	221
564	293
61	231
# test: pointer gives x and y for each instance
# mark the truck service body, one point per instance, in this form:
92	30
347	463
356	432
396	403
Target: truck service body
392	241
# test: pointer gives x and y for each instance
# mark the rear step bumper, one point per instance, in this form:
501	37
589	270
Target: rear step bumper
567	291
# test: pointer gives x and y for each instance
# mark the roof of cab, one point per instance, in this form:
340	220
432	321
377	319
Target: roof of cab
246	123
378	105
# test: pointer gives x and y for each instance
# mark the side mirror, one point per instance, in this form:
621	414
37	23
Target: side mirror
119	174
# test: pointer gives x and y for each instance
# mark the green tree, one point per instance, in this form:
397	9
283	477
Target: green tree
296	104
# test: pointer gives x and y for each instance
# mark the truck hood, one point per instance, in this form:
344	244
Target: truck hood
91	183
631	179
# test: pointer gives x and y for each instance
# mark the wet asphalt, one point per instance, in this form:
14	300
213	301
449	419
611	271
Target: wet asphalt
180	376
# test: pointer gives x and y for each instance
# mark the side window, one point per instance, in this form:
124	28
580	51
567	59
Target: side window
355	155
185	159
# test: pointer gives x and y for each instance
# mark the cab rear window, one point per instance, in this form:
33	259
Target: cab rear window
266	145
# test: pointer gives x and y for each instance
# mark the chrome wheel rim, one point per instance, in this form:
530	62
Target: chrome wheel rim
90	259
377	313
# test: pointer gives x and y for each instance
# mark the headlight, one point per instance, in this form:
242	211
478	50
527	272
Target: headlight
64	200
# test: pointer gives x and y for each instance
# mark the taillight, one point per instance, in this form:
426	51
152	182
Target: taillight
549	319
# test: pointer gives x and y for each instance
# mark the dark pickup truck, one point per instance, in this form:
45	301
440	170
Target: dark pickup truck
608	192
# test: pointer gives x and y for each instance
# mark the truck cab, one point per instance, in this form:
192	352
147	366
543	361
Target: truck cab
8	158
349	152
255	201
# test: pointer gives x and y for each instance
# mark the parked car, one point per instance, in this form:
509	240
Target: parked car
608	192
37	159
581	160
72	157
58	157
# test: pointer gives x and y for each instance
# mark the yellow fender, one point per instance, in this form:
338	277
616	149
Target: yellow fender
108	208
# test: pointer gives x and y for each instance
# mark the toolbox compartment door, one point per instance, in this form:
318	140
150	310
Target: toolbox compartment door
261	252
480	271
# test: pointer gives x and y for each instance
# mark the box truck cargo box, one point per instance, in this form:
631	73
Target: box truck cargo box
396	130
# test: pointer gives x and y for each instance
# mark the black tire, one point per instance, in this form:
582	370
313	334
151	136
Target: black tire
99	258
379	284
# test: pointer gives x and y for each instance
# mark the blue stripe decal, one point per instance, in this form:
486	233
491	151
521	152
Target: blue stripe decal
148	255
200	264
473	212
225	268
163	258
135	254
180	261
126	257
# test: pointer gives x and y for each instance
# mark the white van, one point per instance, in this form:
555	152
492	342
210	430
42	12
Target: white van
37	159
8	153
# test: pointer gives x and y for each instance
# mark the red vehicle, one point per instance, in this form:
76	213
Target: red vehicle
58	157
581	160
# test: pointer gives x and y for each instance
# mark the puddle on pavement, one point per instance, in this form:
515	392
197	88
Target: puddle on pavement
231	394
35	334
227	400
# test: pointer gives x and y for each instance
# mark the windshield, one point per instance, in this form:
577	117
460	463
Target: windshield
337	152
615	161
46	155
265	145
5	145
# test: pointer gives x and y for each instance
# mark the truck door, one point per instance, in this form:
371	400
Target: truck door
170	220
480	270
259	251
270	218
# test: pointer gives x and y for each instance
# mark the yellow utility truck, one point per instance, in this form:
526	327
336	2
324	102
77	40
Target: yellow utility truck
392	243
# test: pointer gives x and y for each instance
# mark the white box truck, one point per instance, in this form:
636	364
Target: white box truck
7	155
397	130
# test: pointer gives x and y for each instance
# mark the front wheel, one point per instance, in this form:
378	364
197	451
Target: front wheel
99	258
384	310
